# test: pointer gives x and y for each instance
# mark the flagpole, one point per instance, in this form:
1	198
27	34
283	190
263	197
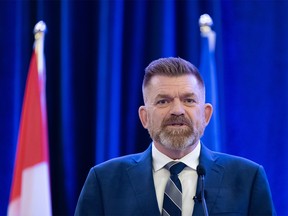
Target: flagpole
30	188
39	35
208	70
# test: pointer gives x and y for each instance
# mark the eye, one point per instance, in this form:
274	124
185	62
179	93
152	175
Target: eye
162	102
189	101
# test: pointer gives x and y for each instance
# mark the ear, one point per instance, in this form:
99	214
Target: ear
143	116
208	109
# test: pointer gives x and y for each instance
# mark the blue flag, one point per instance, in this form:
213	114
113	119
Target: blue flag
207	69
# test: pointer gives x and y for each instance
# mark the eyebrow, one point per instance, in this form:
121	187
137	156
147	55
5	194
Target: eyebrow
181	96
188	95
163	96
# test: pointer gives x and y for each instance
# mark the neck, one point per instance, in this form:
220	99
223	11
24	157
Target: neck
175	153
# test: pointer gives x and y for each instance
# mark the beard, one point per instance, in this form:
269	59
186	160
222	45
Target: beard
178	138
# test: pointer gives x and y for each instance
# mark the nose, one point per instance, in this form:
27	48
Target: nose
177	108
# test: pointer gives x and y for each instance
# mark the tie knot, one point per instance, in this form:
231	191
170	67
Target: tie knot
175	167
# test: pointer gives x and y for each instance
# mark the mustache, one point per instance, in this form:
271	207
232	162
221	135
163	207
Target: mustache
177	120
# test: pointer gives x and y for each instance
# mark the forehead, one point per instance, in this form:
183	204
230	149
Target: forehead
159	82
173	85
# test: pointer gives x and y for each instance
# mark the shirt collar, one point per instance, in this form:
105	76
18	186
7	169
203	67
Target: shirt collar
160	160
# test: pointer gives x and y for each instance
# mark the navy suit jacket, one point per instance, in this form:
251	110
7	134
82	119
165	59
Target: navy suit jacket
125	186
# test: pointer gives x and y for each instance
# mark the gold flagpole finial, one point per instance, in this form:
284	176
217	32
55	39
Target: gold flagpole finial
205	23
39	29
39	35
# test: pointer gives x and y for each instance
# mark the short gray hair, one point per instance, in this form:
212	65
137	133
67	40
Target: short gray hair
171	67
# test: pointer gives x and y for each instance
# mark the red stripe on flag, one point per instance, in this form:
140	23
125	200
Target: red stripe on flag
32	147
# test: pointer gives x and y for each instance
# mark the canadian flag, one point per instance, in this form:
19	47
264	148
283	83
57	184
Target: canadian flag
30	191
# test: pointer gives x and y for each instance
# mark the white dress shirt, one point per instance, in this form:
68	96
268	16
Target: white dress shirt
188	177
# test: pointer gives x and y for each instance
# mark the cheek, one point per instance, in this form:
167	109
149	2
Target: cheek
155	119
197	116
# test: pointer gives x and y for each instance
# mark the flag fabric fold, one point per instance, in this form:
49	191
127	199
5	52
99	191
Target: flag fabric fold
207	69
30	190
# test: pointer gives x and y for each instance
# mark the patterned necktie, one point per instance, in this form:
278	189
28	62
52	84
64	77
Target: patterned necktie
172	203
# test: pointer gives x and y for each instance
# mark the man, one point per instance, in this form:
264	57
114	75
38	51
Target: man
175	115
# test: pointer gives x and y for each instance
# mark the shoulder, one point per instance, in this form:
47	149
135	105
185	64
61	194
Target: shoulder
125	162
234	160
229	161
120	168
234	168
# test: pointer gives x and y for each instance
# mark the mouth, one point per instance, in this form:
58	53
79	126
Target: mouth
177	122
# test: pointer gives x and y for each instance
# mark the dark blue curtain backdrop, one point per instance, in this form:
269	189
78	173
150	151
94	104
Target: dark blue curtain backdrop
96	52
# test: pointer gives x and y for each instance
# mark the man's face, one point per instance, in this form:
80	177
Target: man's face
175	112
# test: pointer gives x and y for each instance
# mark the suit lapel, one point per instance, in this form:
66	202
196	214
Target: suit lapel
141	178
213	179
